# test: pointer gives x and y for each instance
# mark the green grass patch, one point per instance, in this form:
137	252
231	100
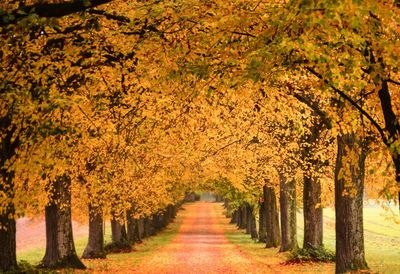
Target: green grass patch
311	255
381	237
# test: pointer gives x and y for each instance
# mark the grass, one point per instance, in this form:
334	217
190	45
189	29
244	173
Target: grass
272	260
113	262
382	242
381	237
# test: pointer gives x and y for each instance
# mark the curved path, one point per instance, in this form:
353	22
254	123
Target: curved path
200	246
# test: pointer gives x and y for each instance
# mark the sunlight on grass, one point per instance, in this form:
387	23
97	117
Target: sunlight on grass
382	238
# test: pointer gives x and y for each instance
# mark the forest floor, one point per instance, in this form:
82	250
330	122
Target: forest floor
201	240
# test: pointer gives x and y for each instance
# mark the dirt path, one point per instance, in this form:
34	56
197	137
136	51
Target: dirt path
200	246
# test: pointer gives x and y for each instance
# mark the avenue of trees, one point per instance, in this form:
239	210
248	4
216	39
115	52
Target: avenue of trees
116	109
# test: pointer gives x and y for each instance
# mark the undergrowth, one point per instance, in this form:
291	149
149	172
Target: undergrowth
311	255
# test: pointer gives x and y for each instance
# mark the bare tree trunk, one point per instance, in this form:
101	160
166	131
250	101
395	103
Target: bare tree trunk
234	217
95	246
313	213
249	214
349	187
118	231
288	214
8	146
60	248
272	217
8	258
141	229
253	225
261	223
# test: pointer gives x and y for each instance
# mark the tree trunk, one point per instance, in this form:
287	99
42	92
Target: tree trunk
118	232
8	258
141	229
148	230
253	226
156	223
60	249
132	228
239	217
312	212
95	246
287	201
349	187
261	223
8	146
249	214
226	203
272	217
234	218
243	219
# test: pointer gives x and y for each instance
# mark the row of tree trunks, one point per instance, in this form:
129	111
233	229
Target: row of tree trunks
350	254
133	231
119	236
137	229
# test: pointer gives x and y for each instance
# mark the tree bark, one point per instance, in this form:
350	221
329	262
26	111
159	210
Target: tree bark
243	222
288	214
392	126
349	187
156	223
234	218
312	212
261	223
249	214
148	228
8	147
60	248
53	9
239	217
272	217
8	257
118	232
141	229
95	246
133	230
253	225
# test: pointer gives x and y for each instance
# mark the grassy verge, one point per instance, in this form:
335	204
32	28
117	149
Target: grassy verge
382	242
381	235
117	263
270	258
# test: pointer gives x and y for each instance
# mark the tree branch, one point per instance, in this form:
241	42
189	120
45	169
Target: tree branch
352	102
51	10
